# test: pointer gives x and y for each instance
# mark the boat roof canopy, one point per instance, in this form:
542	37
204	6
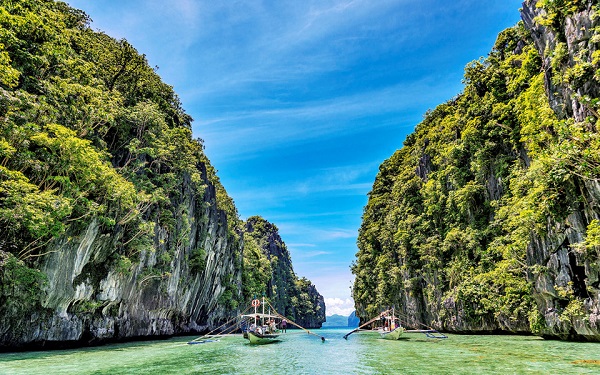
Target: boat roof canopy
260	315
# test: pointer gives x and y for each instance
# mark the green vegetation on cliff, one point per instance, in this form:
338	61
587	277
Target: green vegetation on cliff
268	272
89	131
451	215
110	212
431	230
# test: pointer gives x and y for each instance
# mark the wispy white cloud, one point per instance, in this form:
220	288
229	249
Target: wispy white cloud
311	254
332	283
187	11
316	232
288	42
312	215
391	98
329	118
301	245
282	29
341	180
338	233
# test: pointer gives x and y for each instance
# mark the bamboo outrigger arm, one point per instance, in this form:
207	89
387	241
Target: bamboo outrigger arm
296	324
302	328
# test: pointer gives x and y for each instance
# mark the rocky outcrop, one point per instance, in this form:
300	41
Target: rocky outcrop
311	312
272	246
565	279
298	299
90	298
113	223
565	43
487	220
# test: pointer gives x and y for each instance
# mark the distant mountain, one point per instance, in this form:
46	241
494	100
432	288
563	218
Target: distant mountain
342	321
336	321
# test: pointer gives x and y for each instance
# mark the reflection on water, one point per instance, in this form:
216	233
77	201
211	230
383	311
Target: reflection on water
299	353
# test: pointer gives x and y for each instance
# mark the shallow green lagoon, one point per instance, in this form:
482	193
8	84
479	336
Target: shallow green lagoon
299	353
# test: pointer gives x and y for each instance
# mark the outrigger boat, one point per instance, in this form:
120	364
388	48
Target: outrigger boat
263	329
392	329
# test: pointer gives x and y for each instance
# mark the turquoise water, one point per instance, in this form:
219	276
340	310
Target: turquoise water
299	353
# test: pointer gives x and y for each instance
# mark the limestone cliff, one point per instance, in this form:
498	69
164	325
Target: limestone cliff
486	220
296	298
113	223
87	298
568	41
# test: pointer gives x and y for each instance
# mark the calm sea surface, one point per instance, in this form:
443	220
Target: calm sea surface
300	353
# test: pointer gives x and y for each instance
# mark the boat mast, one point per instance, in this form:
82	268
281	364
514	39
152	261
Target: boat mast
254	314
263	309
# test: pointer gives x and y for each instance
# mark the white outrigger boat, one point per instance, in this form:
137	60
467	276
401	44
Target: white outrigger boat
389	327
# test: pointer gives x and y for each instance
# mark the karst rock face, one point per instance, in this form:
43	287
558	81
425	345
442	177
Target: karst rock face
88	299
573	35
561	267
455	234
296	298
113	223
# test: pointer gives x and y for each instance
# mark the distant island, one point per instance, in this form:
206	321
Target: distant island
353	320
341	321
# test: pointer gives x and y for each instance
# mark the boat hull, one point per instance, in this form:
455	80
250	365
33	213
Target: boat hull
257	339
392	335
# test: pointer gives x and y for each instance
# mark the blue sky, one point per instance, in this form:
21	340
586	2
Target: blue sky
300	101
